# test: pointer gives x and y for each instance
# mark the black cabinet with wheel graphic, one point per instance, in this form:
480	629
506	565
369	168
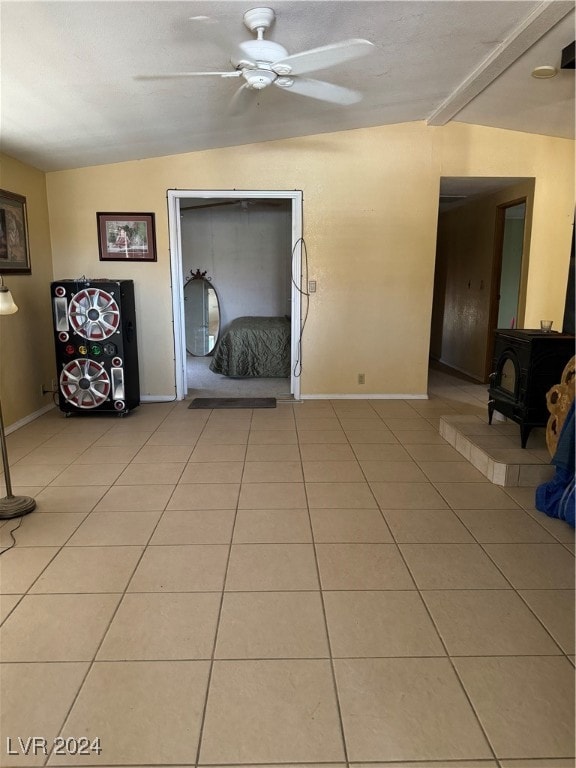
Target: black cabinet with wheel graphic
96	345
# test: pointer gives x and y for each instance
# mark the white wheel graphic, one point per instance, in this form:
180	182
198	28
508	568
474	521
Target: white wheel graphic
84	383
94	314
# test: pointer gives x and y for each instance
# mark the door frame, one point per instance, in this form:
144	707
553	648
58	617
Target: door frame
496	276
177	286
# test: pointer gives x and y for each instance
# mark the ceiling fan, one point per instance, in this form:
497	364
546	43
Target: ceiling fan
262	63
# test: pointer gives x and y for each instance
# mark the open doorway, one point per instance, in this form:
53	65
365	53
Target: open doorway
249	244
477	217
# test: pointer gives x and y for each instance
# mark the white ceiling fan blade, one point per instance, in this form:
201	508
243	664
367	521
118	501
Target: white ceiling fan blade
318	89
325	56
242	100
171	75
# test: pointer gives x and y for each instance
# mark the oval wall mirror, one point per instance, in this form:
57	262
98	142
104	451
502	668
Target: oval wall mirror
201	316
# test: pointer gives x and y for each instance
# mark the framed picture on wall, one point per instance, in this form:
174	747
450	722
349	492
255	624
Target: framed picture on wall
126	236
14	253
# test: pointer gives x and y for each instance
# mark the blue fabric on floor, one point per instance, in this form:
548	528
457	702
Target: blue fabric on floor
557	497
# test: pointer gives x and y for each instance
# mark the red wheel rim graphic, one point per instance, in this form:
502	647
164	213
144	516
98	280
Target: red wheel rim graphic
94	314
84	383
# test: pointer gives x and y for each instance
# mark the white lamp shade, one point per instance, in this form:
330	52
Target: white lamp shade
7	305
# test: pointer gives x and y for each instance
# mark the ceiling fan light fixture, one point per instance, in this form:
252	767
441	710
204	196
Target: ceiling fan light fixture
259	78
544	72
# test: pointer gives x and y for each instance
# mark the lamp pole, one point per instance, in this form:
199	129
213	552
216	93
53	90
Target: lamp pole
10	505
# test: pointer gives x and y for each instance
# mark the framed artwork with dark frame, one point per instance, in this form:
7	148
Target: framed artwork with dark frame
14	252
126	236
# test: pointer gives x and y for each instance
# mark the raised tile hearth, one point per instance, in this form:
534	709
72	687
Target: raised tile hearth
494	449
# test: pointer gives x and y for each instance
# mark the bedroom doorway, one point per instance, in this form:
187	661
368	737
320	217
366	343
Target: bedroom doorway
179	203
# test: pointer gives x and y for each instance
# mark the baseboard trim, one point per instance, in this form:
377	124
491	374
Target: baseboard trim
364	397
27	419
157	398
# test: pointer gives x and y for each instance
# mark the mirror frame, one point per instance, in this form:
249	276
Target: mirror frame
199	276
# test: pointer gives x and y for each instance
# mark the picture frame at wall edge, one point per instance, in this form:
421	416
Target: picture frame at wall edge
126	236
14	243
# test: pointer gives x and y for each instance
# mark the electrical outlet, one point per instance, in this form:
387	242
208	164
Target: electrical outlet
54	385
311	286
361	378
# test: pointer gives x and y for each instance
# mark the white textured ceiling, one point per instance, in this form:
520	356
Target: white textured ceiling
70	97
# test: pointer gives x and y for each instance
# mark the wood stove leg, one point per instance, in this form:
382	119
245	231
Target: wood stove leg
490	411
524	434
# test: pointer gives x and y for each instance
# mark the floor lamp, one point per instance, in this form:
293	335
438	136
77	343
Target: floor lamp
10	505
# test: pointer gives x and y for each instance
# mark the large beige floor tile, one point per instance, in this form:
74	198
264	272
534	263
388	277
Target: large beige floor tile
48	455
212	472
333	472
120	437
115	528
349	525
434	453
452	472
7	605
406	709
21	566
503	525
161	454
452	566
410	423
407	496
389	623
327	452
193	568
409	437
89	569
280	625
525	703
272	472
362	566
271	711
317	423
272	496
205	496
273	453
426	526
99	474
65	499
337	495
144	712
273	437
162	626
534	566
438	764
392	471
271	567
195	526
165	473
475	496
26	713
559	529
324	436
43	530
380	452
33	474
282	526
555	609
378	434
40	627
491	622
223	436
107	455
209	452
133	498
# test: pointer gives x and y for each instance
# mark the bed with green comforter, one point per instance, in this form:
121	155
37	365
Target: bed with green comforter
254	346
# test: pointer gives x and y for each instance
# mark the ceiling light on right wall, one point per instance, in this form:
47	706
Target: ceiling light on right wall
545	72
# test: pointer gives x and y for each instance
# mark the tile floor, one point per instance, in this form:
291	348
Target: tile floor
328	582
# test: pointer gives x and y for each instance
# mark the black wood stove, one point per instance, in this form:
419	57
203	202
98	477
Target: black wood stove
526	364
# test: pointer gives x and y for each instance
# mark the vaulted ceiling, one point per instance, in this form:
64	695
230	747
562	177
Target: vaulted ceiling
71	94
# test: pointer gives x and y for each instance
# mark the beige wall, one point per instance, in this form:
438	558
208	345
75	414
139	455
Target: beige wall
370	219
464	261
26	341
